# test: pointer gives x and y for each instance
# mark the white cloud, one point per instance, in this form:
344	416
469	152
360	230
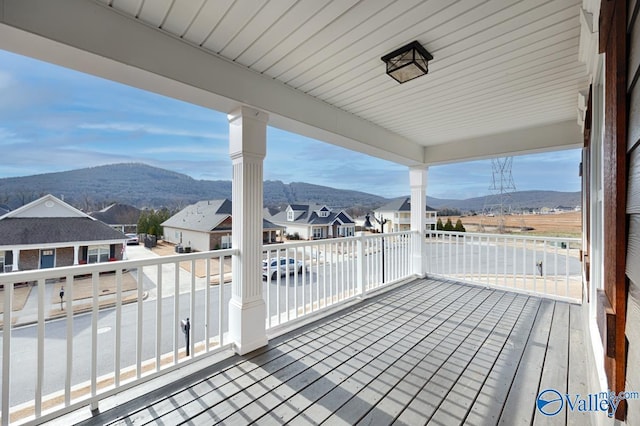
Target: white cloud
153	130
200	149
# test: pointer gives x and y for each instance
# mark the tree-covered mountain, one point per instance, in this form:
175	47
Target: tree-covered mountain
519	200
143	186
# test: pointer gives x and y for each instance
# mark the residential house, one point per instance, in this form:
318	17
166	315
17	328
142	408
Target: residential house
119	216
48	232
314	222
206	225
397	214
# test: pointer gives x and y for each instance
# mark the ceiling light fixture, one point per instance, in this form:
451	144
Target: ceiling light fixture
408	62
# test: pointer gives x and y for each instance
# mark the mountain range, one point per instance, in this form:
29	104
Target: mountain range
143	186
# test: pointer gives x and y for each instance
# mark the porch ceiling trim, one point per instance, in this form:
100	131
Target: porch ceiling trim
551	137
82	35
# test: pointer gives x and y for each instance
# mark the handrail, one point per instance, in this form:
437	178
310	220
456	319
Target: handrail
544	266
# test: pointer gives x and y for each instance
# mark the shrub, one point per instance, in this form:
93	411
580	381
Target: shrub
448	226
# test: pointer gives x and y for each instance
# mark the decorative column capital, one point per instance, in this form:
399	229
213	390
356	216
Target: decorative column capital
245	112
418	176
247	133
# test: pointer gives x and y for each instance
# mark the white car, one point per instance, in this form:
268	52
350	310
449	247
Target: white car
271	268
132	239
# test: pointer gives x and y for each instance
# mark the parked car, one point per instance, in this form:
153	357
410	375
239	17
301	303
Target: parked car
272	267
132	239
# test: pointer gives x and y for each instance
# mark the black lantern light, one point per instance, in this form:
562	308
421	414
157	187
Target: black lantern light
408	62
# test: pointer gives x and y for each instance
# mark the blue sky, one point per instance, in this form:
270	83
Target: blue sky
55	119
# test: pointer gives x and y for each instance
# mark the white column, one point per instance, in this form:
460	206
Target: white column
16	259
247	148
418	183
76	251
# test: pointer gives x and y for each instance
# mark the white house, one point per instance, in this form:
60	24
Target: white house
48	232
398	215
206	225
313	221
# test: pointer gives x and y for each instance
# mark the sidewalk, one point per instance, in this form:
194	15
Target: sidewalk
26	312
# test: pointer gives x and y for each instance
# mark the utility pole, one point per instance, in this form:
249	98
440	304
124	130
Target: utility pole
498	202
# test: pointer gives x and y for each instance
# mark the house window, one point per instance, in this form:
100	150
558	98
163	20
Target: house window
97	254
290	215
318	233
225	242
345	231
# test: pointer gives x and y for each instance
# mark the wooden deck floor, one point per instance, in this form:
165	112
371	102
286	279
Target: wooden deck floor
429	352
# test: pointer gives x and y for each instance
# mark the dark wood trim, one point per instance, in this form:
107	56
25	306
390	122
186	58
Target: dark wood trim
613	39
586	190
605	23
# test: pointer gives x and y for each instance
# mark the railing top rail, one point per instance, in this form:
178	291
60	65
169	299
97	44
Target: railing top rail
307	243
511	236
390	234
37	274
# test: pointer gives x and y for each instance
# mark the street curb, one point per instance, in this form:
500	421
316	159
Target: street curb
80	311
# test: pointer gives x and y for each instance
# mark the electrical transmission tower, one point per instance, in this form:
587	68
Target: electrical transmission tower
498	202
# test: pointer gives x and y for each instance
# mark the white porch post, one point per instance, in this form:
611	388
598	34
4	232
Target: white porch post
247	148
418	183
76	251
16	259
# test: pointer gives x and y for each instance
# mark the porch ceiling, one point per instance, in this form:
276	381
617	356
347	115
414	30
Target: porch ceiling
504	78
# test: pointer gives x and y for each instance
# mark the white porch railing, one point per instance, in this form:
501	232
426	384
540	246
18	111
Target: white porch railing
52	367
319	274
56	359
538	265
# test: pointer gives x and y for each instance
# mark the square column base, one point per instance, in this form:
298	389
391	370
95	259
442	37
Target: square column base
419	268
247	329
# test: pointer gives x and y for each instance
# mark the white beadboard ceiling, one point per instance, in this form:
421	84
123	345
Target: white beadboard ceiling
499	65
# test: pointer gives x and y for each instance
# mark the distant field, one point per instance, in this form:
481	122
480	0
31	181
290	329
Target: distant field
558	224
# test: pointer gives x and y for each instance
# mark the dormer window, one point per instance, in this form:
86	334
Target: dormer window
290	215
323	212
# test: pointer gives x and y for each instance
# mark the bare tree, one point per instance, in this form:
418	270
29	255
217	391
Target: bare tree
25	196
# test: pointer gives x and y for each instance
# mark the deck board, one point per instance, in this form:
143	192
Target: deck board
525	385
429	352
577	380
488	404
554	373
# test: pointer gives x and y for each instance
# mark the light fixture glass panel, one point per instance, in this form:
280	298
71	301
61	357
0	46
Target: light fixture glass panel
407	62
407	72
